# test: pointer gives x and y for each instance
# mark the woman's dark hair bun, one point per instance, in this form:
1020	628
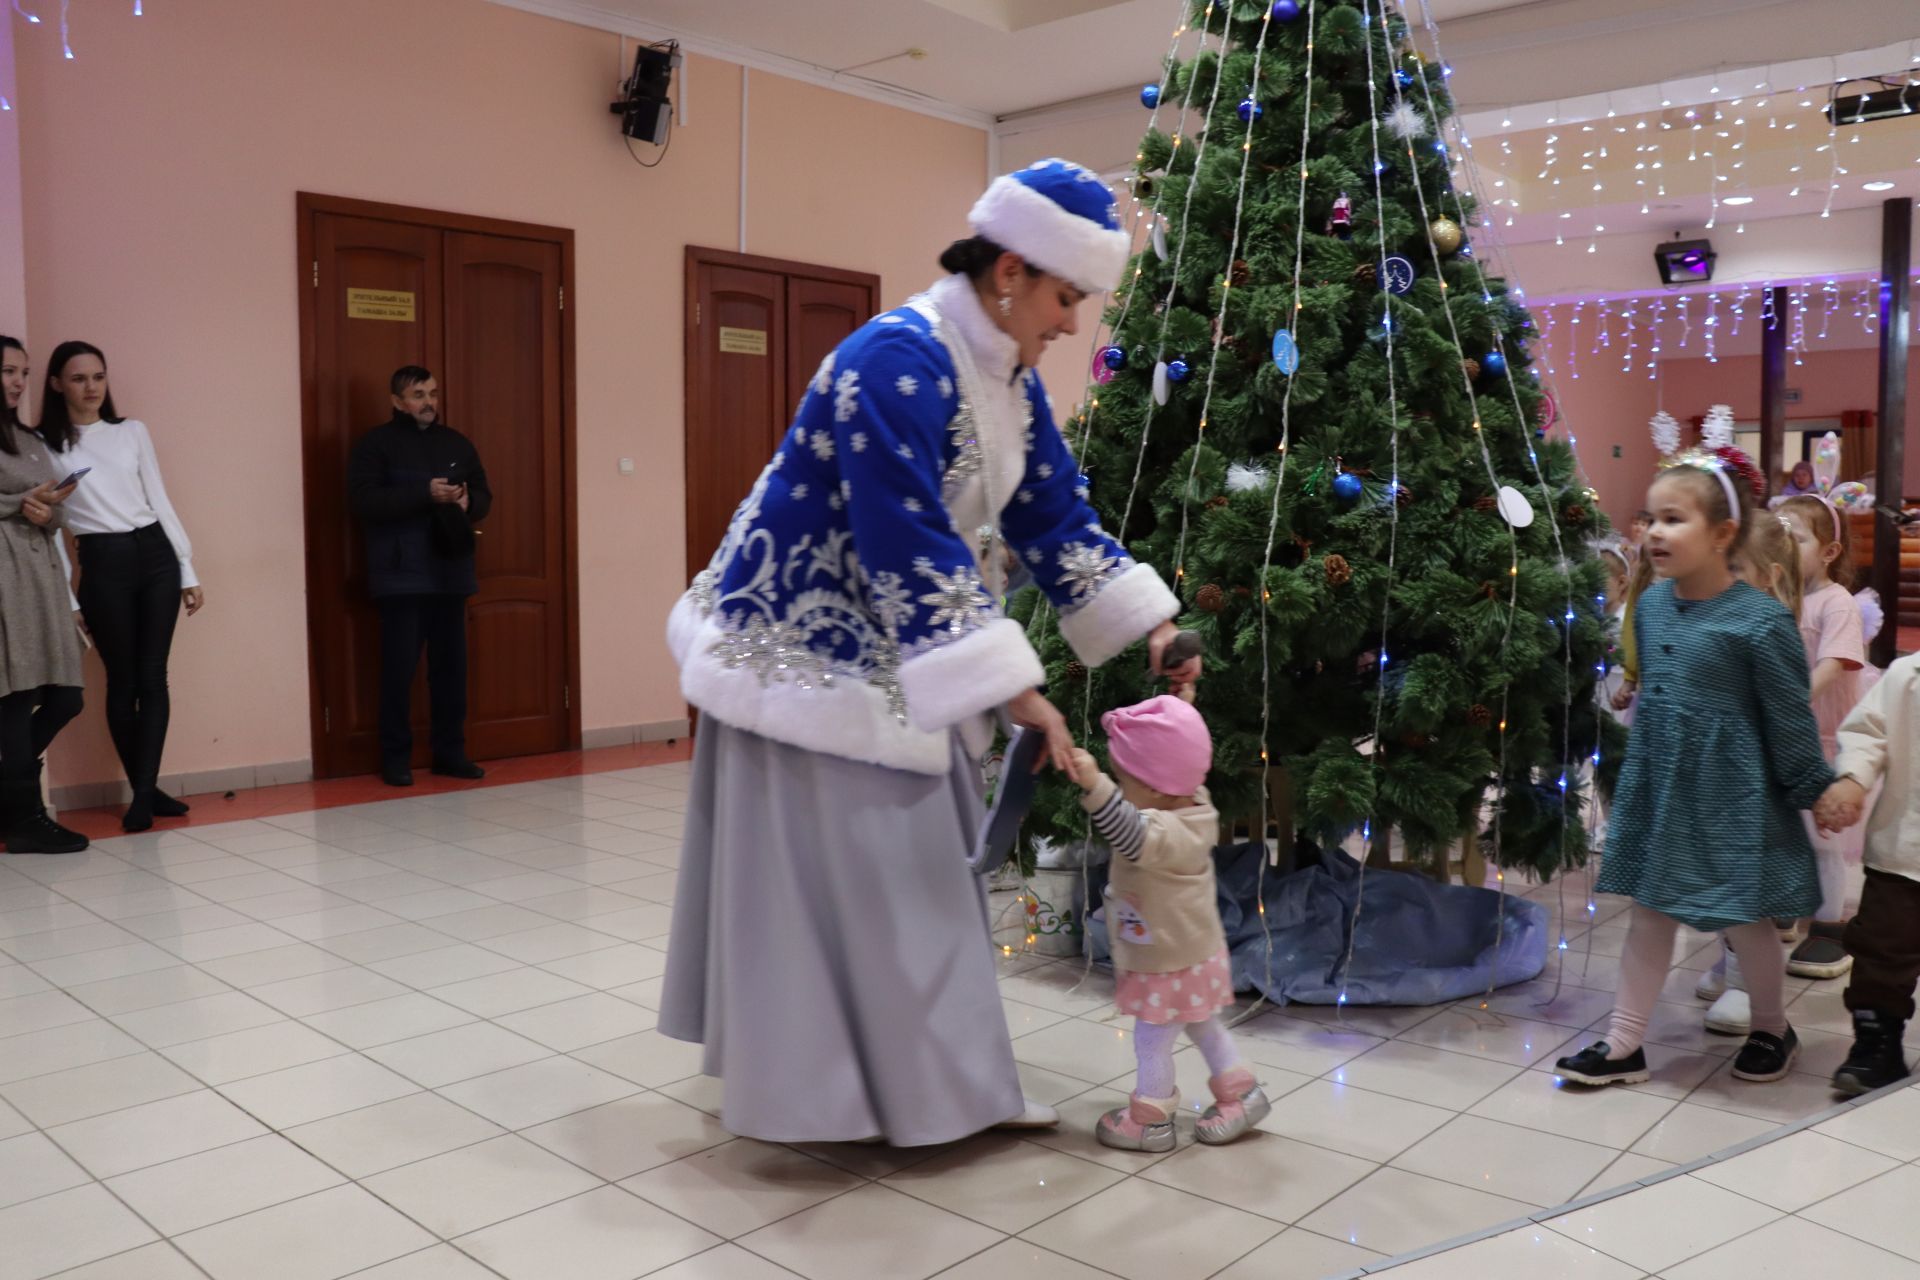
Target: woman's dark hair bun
972	257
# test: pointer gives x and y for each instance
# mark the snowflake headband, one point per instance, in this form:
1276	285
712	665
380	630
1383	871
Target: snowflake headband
1719	464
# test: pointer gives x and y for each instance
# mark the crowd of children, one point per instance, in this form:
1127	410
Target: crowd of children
1758	733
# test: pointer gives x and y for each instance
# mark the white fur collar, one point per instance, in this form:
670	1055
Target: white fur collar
995	352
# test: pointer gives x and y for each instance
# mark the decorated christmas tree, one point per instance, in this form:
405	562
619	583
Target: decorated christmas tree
1317	415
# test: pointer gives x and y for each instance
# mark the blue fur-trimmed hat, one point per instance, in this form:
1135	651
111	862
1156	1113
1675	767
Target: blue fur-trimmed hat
1059	217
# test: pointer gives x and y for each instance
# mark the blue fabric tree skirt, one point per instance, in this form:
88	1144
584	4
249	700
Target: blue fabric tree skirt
1419	942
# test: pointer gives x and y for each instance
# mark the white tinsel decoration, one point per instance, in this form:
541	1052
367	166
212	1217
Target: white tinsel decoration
1243	478
1666	433
1404	121
1717	431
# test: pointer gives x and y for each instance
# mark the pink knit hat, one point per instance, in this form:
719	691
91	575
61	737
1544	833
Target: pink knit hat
1163	742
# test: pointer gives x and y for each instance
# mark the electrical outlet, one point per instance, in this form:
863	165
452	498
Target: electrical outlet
1616	451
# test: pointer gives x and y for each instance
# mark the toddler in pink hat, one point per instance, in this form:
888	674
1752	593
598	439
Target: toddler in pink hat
1163	922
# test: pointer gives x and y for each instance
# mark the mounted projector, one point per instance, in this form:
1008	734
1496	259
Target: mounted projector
1685	261
1897	96
643	108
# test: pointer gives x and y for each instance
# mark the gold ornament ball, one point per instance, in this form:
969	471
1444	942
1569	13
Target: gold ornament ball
1447	236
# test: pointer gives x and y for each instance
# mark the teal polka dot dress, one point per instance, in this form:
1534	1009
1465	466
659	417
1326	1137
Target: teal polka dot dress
1724	755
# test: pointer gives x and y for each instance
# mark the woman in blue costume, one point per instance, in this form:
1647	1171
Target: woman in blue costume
845	648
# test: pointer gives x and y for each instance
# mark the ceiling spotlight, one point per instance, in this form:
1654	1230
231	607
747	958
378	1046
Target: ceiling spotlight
1738	200
1878	186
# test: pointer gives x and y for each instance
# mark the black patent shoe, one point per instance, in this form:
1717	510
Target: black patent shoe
465	769
1766	1056
1592	1066
397	775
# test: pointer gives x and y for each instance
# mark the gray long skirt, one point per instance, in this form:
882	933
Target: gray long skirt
831	950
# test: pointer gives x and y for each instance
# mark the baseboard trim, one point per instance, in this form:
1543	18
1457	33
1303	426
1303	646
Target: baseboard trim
626	735
94	795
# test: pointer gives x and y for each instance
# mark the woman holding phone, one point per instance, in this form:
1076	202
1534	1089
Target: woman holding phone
136	565
39	645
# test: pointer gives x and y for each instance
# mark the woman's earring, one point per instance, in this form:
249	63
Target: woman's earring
1006	304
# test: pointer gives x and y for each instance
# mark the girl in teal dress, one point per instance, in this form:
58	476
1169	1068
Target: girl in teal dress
1705	829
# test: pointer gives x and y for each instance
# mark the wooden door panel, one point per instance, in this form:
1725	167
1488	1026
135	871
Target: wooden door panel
503	390
820	315
354	358
732	398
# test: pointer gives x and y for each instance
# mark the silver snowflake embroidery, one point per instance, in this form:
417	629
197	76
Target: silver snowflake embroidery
706	590
946	388
891	602
821	442
846	490
858	440
1023	496
913	505
885	676
956	600
800	492
773	651
1084	570
823	376
905	384
1044	471
890	318
905	451
834	501
968	454
1035	555
846	387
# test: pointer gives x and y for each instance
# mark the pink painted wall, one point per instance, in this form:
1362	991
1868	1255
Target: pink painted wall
160	169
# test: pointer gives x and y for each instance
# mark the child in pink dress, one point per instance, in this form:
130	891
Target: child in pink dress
1163	921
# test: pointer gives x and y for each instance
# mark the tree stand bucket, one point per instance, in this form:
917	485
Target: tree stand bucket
1055	922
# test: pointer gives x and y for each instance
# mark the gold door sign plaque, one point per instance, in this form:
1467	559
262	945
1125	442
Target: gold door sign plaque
379	304
743	342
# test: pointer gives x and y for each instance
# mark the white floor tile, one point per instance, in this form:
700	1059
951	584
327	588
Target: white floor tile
1104	1232
1613	1117
31	1166
1020	1260
1889	1125
316	1090
63	1230
538	1091
1262	1173
238	1054
870	1234
610	966
479	1185
738	1186
1519	1255
319	1237
509	992
1689	1132
159	1261
1879	1211
646	1057
1393	1211
197	1019
147	990
441	1262
1794	1172
1298	1254
259	968
1794	1247
442	965
203	1189
1542	1169
1664	1224
76	1044
586	1020
1422	1074
1353	1121
155	1132
606	1234
323	992
37	1012
460	1053
381	1022
79	1092
390	1134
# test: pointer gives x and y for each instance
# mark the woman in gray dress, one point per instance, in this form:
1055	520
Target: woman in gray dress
830	946
39	645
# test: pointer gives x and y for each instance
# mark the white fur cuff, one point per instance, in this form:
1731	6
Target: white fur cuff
969	675
1125	609
1016	217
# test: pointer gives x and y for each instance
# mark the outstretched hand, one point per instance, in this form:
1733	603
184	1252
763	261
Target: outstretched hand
1083	769
1031	710
1183	676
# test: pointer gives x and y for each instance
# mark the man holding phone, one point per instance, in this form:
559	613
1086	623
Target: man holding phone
418	489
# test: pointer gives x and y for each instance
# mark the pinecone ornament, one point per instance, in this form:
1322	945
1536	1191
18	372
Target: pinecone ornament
1576	514
1479	715
1339	572
1243	593
1076	671
1472	368
1367	274
1210	598
1216	502
1486	504
1239	273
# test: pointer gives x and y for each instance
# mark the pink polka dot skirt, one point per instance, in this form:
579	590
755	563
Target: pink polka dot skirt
1186	995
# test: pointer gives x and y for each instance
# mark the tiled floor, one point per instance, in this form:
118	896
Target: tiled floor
413	1039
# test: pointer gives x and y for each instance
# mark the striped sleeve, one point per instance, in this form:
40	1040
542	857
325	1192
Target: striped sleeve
1121	825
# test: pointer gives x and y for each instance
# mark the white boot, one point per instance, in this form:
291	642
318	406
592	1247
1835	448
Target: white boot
1731	1015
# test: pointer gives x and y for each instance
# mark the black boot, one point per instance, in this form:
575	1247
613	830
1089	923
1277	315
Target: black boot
28	829
139	814
1878	1059
166	806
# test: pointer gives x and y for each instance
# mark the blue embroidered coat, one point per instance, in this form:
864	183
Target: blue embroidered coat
853	607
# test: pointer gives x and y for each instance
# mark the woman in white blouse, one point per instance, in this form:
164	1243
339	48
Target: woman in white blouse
136	565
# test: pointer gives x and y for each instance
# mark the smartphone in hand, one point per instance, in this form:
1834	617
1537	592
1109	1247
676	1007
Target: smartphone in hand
73	479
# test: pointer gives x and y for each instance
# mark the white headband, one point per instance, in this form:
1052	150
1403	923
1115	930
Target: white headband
1718	469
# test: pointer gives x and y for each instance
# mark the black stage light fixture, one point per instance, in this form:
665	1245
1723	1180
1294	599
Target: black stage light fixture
643	109
1890	98
1685	261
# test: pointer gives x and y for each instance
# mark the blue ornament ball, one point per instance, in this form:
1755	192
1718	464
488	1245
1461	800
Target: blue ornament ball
1403	78
1114	358
1251	110
1177	370
1150	96
1493	364
1286	10
1347	487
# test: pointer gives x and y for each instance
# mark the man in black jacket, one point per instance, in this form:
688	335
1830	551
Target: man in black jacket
418	488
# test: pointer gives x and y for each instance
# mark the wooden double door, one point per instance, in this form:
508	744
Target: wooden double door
756	329
481	304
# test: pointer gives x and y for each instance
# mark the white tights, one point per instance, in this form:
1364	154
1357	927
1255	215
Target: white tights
1648	958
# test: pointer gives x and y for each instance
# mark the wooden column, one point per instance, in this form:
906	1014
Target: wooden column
1896	265
1773	389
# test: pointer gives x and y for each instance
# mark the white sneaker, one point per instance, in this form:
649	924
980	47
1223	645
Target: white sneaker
1712	985
1038	1115
1731	1015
